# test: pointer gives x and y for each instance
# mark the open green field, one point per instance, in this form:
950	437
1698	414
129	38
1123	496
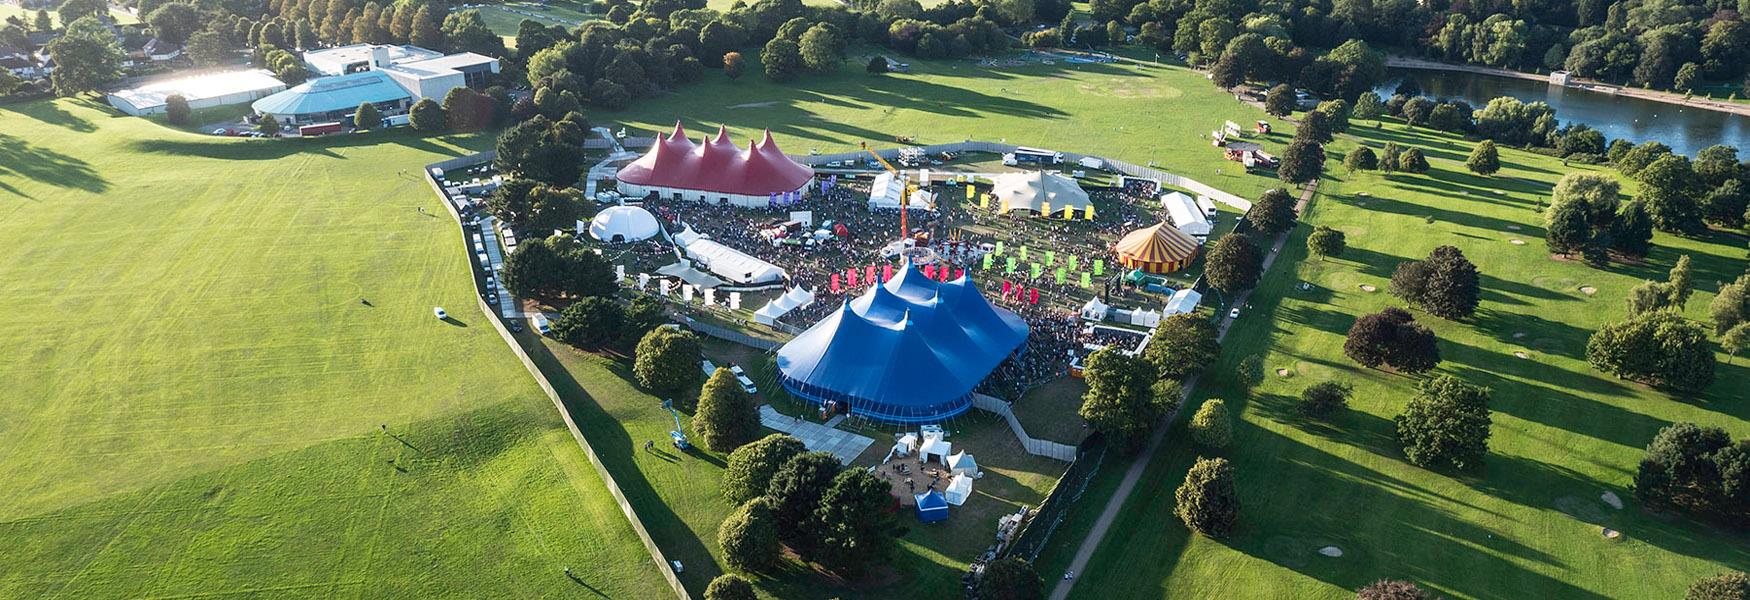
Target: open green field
1529	523
195	393
678	498
504	18
1135	112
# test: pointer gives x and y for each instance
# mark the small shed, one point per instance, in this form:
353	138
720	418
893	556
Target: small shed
932	507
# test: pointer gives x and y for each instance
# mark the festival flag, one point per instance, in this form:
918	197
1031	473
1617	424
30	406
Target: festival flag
869	274
970	192
1010	266
851	277
987	261
735	301
1087	281
643	281
1072	262
958	273
710	297
1033	296
772	199
1099	266
1037	270
999	248
835	283
1045	208
930	271
1023	252
687	293
984	201
1060	276
1088	215
1069	213
886	272
1050	257
1007	285
664	285
619	273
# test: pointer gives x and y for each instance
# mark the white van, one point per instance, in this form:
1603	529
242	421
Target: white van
541	324
708	367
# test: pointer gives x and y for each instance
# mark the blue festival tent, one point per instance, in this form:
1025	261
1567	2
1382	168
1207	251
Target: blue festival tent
908	351
932	507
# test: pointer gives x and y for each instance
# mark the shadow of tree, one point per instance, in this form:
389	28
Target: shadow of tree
19	158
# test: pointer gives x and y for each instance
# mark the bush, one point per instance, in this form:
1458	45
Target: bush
176	109
1731	585
367	117
730	586
1212	426
749	537
750	467
1207	501
1011	578
1697	469
1392	589
426	115
1324	400
1658	348
590	322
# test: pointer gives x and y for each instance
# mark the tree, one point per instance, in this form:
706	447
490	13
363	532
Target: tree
590	322
42	22
1234	264
1392	337
543	150
820	48
643	313
87	57
1731	306
173	22
1446	424
728	416
1730	585
71	11
1392	589
269	125
427	31
1368	106
782	59
1453	289
1412	161
1484	159
1212	427
877	65
1362	159
467	110
1568	228
855	526
1658	348
1735	340
1726	204
1326	242
1315	127
1679	280
750	468
1279	101
1631	233
176	109
1417	110
1324	400
1669	187
666	362
1011	578
536	208
1649	296
367	117
730	586
796	490
1302	161
426	115
1389	157
1183	345
1227	73
1273	213
209	48
1688	77
1697	469
1207	501
466	31
1120	401
1632	158
1598	195
749	537
734	65
1336	113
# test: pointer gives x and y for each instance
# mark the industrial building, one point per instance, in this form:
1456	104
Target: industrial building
206	90
392	77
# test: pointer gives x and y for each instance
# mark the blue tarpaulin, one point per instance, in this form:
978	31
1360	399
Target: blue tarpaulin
907	351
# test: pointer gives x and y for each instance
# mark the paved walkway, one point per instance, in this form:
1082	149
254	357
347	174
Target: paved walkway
843	444
605	168
1132	475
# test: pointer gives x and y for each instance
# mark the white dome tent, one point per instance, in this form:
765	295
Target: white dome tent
623	224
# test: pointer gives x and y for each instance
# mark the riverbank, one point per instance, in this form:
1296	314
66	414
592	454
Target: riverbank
1405	62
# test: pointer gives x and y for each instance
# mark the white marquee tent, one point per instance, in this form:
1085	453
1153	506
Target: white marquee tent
935	447
1183	301
730	264
959	489
1186	215
623	224
889	188
1037	191
963	464
777	307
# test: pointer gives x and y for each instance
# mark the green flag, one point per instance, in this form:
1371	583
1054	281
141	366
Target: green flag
1099	266
1060	276
1087	281
1050	257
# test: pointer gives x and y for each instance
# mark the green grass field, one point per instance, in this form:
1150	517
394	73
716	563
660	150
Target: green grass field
1138	113
121	17
1526	525
194	392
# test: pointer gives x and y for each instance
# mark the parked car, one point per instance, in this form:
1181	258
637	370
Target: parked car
708	367
741	378
1234	314
438	311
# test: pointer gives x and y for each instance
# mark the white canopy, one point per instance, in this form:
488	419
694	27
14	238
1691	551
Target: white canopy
728	263
889	188
623	224
1186	215
791	300
1183	301
963	464
1037	191
1145	318
1094	310
935	447
959	489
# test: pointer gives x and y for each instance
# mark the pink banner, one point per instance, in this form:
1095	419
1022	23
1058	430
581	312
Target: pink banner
1007	286
958	273
835	283
1033	296
869	274
851	277
930	271
886	272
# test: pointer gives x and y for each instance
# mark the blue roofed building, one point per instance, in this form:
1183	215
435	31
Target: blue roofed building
332	98
391	77
908	351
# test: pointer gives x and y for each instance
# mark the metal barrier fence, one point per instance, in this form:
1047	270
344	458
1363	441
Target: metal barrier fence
1034	446
1089	455
662	563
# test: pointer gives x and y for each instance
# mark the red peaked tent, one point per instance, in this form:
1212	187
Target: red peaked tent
716	165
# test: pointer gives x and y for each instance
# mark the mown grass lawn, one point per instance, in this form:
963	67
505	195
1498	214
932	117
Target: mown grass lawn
1529	523
195	395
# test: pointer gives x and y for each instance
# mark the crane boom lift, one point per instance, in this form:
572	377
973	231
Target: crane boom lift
904	197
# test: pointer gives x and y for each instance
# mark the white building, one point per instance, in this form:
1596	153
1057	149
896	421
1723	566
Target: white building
391	77
201	91
1187	217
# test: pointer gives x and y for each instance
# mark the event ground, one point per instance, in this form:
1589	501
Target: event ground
1529	523
194	391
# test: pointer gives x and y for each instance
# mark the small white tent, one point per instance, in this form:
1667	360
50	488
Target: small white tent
623	224
1094	310
959	489
1183	301
963	464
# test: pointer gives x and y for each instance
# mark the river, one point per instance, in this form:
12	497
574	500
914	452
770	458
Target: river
1686	129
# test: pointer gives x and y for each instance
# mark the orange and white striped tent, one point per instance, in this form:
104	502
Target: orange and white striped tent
1158	249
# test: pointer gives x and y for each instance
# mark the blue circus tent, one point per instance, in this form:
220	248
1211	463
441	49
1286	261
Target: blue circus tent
932	507
908	351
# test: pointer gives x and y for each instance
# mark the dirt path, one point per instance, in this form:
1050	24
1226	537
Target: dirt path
1085	552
